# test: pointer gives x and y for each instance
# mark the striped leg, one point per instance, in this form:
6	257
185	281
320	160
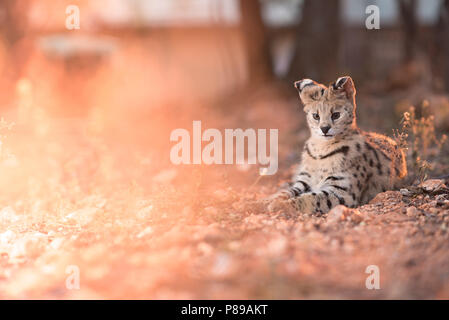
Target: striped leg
285	199
296	189
325	199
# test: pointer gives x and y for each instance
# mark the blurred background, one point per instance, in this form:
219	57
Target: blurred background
165	52
87	113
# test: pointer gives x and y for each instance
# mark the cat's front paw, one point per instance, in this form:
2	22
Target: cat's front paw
306	203
281	204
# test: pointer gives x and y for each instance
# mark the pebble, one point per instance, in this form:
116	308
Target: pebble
222	266
145	212
341	212
205	248
337	213
412	212
147	231
82	216
277	246
356	217
432	185
56	243
8	214
7	237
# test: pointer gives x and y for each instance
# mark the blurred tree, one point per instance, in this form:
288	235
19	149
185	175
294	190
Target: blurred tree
13	21
256	42
410	28
441	61
317	51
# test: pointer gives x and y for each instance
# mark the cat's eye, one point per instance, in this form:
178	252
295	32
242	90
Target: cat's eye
335	115
316	116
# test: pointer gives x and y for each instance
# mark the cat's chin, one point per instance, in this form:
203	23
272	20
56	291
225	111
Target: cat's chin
323	137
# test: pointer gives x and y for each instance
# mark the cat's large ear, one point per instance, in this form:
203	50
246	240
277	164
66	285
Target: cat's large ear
309	90
343	88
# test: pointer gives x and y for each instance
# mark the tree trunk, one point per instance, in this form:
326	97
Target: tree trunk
317	52
442	58
13	23
256	42
410	28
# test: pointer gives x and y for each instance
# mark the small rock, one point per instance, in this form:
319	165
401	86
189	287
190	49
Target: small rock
82	216
277	246
56	243
340	213
8	214
356	216
147	231
386	197
337	213
29	246
205	248
223	266
7	237
432	185
240	206
405	192
145	212
412	212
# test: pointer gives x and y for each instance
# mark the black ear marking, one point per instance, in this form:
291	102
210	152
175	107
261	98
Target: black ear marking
345	85
301	84
339	83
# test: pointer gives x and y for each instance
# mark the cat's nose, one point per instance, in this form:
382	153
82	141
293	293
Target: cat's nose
325	129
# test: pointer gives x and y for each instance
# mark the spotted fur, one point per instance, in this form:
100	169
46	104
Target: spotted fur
341	164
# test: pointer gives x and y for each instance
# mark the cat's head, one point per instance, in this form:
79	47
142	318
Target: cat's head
330	111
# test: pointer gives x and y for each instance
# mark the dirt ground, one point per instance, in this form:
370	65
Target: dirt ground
101	199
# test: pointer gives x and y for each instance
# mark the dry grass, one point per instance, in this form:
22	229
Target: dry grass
418	138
